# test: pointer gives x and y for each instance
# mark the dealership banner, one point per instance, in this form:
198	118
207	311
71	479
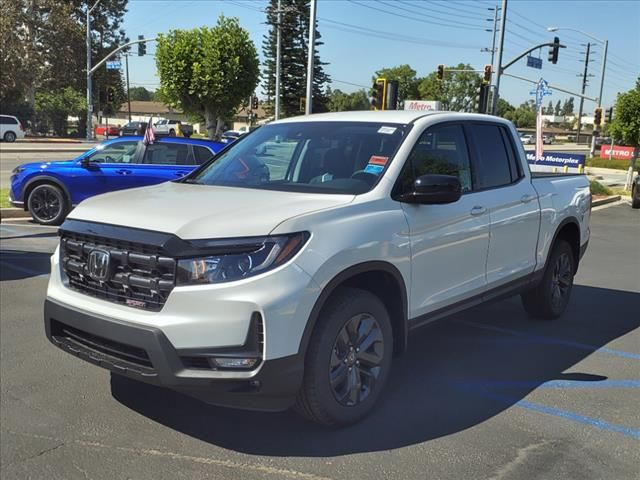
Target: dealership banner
422	105
621	153
557	159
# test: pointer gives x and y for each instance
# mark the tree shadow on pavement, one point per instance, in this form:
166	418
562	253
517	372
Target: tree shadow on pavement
437	388
18	264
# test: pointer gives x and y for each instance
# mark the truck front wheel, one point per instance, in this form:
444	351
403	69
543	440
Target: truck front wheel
348	360
550	297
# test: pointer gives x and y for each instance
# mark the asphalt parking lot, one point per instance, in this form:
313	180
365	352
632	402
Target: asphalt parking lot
485	394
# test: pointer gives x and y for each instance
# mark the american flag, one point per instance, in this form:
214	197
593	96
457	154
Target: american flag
149	136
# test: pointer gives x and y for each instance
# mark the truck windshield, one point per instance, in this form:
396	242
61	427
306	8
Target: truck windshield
321	157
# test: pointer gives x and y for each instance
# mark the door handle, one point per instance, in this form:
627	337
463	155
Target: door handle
526	198
478	210
123	172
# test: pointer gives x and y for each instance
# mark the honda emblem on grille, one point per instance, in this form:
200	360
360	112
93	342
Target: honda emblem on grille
99	265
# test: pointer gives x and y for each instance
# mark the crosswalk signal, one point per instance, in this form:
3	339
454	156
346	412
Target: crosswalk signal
142	46
553	50
487	74
254	102
597	116
609	114
441	72
379	94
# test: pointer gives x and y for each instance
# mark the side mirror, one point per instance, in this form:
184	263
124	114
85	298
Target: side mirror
87	163
434	189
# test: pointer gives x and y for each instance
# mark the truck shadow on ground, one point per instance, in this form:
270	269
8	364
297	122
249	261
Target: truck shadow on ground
444	384
19	264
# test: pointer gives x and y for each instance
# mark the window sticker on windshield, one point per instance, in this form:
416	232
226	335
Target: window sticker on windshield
387	130
378	160
375	169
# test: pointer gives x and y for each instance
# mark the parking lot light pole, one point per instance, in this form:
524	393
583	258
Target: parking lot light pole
605	44
89	89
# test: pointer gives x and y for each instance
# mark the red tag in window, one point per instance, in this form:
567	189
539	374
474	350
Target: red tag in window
376	160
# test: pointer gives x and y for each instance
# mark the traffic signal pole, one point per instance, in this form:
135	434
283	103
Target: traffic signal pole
89	135
496	93
126	62
278	48
604	64
312	50
584	87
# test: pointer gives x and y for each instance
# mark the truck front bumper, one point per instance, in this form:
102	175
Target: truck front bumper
144	353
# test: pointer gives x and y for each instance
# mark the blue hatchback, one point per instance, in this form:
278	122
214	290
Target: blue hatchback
48	190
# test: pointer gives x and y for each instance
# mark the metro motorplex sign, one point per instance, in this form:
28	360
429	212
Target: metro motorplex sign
557	159
422	105
621	153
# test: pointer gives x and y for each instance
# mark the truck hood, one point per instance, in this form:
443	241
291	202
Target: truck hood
200	211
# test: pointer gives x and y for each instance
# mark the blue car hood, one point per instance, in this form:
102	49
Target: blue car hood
48	164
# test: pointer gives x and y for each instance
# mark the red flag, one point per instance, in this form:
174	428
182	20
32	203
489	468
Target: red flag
149	135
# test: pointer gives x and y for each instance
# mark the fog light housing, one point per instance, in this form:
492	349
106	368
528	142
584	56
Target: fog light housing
239	363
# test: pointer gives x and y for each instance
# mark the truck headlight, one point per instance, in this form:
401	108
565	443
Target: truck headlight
231	260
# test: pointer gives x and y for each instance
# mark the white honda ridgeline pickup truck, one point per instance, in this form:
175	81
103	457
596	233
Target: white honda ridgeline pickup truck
293	266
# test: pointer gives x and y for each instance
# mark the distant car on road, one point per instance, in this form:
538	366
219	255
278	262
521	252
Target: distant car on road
547	139
10	128
133	128
527	139
107	130
170	128
48	190
603	141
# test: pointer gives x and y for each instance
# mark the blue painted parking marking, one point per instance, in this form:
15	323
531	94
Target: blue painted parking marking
551	384
551	340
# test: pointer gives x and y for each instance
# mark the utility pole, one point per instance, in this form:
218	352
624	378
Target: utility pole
126	62
278	53
493	41
584	86
89	86
496	93
604	64
312	49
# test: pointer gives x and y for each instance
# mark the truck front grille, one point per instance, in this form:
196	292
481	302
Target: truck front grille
136	275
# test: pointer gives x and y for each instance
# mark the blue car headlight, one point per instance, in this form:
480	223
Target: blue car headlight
237	259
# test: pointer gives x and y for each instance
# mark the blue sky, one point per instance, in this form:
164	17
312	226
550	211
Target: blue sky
361	36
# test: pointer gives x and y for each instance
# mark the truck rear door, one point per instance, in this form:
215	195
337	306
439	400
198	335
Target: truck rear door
511	201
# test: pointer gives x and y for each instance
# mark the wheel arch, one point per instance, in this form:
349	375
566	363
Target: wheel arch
380	278
568	230
40	180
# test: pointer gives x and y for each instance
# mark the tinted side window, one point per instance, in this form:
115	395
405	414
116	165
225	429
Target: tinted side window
202	154
440	150
120	152
8	121
491	156
167	154
514	161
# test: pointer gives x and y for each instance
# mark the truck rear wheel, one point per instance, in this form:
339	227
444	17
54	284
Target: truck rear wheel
549	299
348	360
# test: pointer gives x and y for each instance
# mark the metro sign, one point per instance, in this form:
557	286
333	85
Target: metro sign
619	152
422	105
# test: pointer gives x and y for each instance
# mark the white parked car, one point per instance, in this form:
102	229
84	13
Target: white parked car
10	128
264	280
527	139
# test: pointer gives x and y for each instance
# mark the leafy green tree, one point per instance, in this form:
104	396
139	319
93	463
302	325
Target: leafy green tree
54	107
504	107
549	109
341	102
568	107
140	94
625	126
558	110
208	71
407	80
524	115
457	92
293	68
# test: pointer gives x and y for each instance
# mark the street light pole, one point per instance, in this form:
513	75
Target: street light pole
89	86
496	94
278	48
312	49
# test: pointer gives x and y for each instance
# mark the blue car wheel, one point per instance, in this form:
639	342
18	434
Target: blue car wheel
47	204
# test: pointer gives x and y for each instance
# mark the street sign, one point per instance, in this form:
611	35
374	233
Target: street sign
557	159
114	65
534	62
619	152
421	105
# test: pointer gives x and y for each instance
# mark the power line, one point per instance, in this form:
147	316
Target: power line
431	9
350	83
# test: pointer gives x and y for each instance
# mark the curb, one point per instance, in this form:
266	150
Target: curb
605	200
13	213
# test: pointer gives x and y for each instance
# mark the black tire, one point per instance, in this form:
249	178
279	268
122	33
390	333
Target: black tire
47	204
635	197
333	350
172	133
9	137
549	299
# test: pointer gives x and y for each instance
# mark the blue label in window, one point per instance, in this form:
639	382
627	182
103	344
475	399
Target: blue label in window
375	169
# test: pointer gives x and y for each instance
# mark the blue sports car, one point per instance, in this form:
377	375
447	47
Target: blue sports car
48	190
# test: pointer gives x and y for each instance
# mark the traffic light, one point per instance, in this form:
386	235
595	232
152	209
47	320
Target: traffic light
379	94
392	95
440	72
487	74
111	95
553	50
482	98
609	114
254	102
597	116
142	46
